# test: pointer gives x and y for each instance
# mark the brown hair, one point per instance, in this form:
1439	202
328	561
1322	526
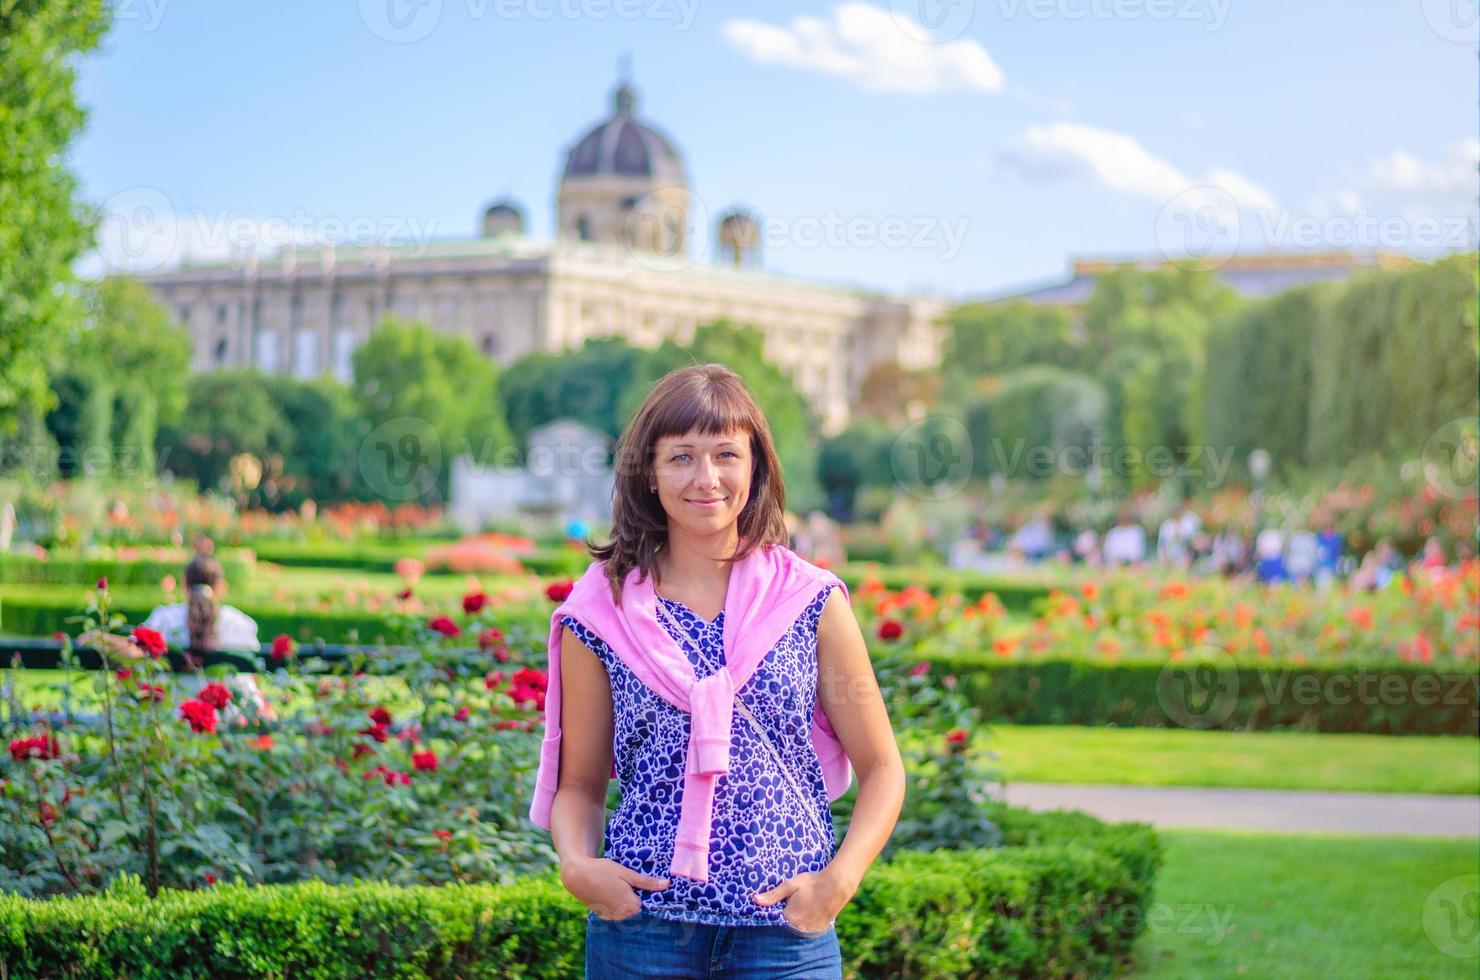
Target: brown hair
710	399
204	606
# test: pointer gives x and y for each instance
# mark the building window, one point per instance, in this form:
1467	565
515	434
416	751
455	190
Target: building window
221	351
183	312
490	343
220	313
305	353
583	228
267	353
343	351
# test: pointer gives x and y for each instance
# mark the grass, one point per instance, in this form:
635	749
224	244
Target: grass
1245	760
1236	904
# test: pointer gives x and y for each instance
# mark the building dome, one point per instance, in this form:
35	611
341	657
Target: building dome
503	217
623	147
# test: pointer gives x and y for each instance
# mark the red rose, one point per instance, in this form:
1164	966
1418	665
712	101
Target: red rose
474	602
493	679
282	646
103	584
263	742
425	760
956	736
380	716
404	594
462	713
528	684
377	732
35	747
445	626
151	640
123	674
444	834
891	629
152	691
363	749
559	591
215	694
210	878
200	714
490	639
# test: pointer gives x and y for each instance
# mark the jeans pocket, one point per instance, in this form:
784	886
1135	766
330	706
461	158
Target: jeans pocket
593	917
798	931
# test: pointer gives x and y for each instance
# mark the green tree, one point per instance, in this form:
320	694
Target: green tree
320	442
43	225
586	385
437	390
228	412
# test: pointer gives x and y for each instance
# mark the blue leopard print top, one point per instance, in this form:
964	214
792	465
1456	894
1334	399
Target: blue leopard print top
767	826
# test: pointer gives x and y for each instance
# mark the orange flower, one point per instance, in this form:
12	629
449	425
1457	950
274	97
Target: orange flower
1090	590
1360	617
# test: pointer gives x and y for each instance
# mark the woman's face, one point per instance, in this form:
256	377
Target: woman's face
691	470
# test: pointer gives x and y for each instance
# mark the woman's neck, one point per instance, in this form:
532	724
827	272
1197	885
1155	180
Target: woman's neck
697	562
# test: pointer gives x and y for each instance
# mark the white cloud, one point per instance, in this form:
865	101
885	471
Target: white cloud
1071	151
1454	179
872	48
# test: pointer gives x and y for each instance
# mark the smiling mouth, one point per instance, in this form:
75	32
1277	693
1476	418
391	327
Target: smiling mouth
716	500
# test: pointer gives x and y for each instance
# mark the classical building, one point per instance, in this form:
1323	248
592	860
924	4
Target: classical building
620	265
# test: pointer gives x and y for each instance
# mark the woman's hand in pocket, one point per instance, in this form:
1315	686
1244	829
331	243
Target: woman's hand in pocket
606	887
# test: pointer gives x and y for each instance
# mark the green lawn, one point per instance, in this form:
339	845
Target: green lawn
1235	904
1269	760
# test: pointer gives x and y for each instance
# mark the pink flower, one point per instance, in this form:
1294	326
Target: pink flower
923	667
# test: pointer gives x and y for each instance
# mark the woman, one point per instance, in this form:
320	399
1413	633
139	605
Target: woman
698	507
203	622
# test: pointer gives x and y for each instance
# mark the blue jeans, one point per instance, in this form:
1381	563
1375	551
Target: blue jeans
646	945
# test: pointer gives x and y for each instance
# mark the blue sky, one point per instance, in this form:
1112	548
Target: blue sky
973	156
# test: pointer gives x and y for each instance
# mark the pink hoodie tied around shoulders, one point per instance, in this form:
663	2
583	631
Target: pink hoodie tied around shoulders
767	591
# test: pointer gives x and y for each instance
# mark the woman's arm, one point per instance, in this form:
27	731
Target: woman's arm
849	694
578	811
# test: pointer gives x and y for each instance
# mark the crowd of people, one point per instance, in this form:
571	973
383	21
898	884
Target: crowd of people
1182	542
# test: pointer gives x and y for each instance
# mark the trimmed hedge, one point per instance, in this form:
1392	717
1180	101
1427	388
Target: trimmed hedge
62	568
550	562
36	615
1065	897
